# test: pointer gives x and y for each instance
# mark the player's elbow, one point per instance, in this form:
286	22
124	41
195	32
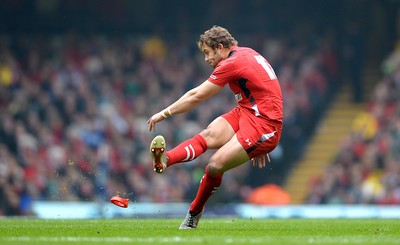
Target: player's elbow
196	97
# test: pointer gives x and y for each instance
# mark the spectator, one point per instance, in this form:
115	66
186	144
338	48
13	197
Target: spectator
368	162
73	112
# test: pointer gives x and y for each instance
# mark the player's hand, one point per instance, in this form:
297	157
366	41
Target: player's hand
261	161
153	120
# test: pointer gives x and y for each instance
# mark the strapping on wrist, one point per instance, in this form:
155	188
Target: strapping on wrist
166	113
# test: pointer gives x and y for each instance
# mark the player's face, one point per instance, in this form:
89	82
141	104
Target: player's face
212	56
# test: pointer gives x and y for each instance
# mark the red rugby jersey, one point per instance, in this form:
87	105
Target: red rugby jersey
253	81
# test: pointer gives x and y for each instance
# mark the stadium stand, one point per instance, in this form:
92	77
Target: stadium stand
76	79
366	168
74	113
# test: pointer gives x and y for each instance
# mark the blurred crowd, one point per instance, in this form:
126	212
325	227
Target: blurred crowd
73	112
367	167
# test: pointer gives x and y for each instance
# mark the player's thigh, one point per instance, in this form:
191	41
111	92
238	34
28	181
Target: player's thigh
218	133
227	157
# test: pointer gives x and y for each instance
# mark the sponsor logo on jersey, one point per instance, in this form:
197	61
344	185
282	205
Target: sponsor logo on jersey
213	77
238	97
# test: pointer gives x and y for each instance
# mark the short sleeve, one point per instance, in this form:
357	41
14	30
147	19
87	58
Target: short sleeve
223	73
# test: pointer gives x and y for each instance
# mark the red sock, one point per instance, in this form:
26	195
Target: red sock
208	185
187	150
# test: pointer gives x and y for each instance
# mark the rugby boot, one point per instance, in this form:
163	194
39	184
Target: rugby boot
158	154
191	221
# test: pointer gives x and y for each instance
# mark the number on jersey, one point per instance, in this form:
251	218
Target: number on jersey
267	67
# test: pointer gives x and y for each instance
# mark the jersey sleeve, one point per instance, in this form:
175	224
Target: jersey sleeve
223	73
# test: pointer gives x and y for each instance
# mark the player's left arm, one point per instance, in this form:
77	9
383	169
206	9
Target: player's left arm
185	103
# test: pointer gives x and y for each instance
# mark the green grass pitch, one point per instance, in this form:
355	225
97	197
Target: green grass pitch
210	231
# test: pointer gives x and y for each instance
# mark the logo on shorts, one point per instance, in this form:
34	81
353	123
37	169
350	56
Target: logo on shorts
213	77
266	137
248	142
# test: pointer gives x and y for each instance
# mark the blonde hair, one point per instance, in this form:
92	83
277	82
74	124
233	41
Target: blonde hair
215	36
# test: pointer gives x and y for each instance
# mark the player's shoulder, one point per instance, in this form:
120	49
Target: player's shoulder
237	57
243	54
245	50
240	55
236	54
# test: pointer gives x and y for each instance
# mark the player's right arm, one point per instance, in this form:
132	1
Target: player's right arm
194	97
185	103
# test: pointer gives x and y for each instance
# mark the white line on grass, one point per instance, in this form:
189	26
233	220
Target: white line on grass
201	240
174	239
100	239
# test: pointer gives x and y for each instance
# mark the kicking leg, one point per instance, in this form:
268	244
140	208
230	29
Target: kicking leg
214	136
187	150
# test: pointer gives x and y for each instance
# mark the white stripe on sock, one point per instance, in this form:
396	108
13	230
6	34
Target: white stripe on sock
187	154
194	154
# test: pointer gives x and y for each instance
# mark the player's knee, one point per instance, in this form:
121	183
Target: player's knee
212	138
206	133
214	168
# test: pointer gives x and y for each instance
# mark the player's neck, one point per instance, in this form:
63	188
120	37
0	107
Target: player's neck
227	51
